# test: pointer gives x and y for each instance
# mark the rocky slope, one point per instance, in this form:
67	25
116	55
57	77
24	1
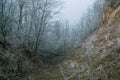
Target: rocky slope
98	58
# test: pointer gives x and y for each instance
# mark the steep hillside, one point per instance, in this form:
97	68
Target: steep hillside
98	58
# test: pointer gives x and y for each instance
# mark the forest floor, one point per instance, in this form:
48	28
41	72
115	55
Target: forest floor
98	58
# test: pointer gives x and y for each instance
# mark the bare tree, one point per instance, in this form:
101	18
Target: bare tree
6	18
48	11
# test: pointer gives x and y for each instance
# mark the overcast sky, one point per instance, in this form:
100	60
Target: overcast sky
73	9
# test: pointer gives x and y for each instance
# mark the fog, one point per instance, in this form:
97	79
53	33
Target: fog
74	9
35	27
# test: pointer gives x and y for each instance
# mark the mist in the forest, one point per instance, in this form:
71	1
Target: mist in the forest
74	9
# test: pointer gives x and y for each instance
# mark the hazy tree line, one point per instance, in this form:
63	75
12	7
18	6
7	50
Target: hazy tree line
35	25
24	23
89	22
